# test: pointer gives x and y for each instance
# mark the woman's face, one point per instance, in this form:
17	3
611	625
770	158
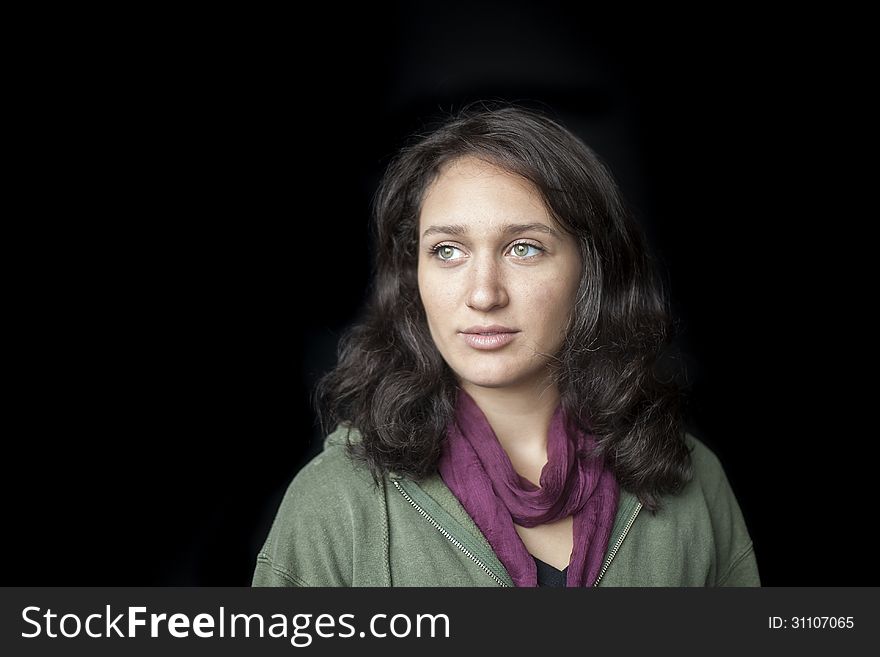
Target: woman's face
491	257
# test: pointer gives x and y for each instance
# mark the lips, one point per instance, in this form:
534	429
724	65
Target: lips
487	338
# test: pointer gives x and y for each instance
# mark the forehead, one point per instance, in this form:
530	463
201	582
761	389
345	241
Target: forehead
472	191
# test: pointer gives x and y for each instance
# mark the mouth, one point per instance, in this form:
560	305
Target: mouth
493	329
488	340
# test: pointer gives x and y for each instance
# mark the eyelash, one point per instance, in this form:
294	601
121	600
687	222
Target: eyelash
434	250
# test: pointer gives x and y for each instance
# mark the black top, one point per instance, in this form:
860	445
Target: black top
548	575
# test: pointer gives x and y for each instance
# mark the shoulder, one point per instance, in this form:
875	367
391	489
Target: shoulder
706	502
326	506
331	477
712	506
701	453
697	537
707	468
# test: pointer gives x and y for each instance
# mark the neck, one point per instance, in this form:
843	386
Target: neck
520	416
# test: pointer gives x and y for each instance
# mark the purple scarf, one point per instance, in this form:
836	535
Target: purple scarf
478	471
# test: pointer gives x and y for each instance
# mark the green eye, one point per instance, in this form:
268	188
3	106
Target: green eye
446	252
522	250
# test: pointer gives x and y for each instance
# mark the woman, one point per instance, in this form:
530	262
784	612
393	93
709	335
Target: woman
499	415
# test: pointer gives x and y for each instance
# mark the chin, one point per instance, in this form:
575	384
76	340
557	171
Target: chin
487	379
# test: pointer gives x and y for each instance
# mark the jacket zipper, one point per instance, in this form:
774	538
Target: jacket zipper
488	571
617	544
455	542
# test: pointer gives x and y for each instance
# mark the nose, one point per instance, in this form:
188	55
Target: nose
487	288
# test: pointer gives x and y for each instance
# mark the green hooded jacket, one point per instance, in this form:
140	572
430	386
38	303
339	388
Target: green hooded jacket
334	527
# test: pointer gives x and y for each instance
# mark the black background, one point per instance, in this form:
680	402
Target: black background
193	197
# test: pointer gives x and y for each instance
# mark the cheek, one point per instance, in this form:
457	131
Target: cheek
565	295
436	298
551	306
545	297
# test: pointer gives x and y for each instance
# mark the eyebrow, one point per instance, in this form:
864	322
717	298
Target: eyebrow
506	229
